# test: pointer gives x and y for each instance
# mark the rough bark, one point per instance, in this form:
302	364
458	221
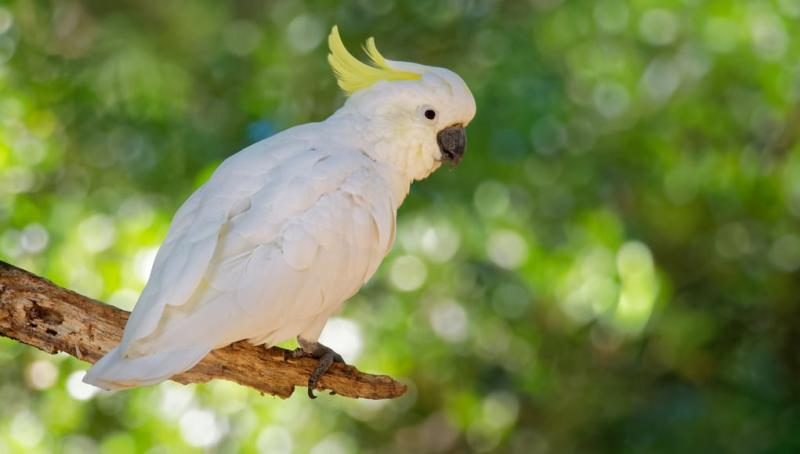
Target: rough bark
39	313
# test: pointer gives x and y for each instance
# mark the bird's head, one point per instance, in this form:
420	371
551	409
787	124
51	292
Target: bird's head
412	115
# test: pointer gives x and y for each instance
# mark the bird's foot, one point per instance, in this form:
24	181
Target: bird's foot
326	357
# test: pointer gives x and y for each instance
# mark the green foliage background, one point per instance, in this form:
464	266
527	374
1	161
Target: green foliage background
613	267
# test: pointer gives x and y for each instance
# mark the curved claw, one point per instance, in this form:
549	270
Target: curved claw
325	362
326	358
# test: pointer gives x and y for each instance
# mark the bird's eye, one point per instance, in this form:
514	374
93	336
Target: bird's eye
430	114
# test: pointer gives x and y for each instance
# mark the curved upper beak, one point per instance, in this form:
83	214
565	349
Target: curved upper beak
452	141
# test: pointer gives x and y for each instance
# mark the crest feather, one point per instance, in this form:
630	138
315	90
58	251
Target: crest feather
352	74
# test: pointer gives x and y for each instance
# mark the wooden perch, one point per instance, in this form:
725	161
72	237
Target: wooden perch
37	312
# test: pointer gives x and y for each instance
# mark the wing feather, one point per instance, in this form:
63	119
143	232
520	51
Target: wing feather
269	262
183	260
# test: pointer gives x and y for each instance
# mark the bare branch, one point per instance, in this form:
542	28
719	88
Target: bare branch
37	312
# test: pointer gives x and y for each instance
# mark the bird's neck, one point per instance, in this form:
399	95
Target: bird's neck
403	153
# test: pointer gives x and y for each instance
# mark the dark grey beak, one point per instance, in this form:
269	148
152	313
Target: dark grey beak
452	142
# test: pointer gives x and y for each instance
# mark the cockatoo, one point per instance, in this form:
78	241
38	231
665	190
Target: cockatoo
289	228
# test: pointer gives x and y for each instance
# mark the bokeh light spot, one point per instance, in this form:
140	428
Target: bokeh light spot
274	439
26	429
634	258
658	27
592	297
241	37
335	443
86	281
784	254
611	99
97	233
16	180
343	336
639	287
41	374
304	33
769	36
6	20
29	151
408	273
440	242
492	199
174	400
733	240
10	243
34	238
507	248
548	135
611	15
449	321
500	410
493	340
78	444
201	428
136	213
7	48
661	79
79	390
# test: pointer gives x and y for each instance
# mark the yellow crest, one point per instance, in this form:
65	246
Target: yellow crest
354	75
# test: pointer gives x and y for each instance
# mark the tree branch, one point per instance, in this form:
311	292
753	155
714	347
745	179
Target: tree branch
37	312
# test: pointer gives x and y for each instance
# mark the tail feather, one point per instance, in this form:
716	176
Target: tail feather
114	371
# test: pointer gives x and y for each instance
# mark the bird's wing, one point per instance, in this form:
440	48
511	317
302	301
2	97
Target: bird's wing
318	259
275	259
184	256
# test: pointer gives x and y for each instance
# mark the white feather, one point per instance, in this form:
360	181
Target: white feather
280	236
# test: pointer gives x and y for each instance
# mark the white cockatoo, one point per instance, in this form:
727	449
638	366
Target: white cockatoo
286	230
